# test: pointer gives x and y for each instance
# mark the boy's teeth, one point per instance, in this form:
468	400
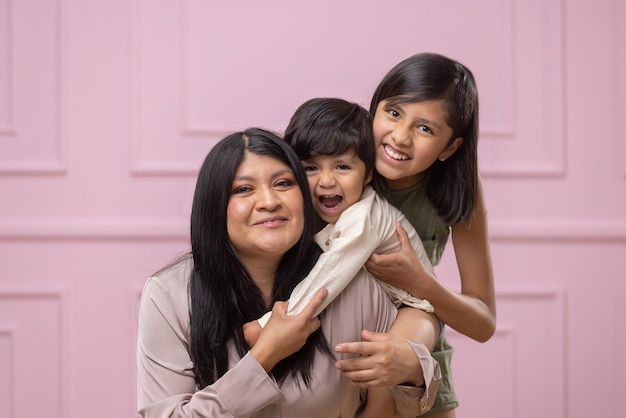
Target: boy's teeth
330	200
390	152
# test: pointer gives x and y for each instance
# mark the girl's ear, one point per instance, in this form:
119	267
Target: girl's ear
369	177
451	149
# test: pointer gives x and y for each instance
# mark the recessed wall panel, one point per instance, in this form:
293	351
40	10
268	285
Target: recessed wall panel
525	359
32	317
31	140
197	77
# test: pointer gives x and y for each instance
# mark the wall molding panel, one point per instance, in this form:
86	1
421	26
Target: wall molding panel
621	341
7	125
32	140
522	132
618	15
514	354
178	229
35	316
7	360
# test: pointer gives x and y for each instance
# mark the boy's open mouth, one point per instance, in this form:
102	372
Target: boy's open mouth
330	201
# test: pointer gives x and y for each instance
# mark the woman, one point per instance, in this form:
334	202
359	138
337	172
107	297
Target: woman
251	239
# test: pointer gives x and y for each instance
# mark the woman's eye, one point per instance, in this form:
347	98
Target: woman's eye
242	189
284	183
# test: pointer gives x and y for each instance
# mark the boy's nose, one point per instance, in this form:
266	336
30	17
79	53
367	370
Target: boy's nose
327	179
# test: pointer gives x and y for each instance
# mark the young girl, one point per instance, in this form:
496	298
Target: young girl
425	122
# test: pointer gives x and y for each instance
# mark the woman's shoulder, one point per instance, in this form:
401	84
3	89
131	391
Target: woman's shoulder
170	283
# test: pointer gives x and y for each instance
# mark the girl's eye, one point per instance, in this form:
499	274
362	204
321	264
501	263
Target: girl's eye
424	128
393	113
343	167
310	168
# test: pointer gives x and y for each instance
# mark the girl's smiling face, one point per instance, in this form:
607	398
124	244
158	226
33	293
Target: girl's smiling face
409	138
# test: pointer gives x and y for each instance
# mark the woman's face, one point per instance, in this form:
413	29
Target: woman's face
265	215
409	138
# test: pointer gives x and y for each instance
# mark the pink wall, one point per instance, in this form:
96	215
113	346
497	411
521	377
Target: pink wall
108	107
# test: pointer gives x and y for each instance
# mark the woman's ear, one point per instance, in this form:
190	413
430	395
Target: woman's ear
451	149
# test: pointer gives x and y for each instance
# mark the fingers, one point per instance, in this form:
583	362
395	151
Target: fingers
372	336
402	235
310	309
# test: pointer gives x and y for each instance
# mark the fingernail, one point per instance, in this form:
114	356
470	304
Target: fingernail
338	348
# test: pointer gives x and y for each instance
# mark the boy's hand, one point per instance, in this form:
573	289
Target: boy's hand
251	332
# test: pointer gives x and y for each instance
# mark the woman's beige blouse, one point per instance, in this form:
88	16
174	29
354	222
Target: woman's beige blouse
165	377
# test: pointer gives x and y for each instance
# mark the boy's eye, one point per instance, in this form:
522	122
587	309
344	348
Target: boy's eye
310	168
343	167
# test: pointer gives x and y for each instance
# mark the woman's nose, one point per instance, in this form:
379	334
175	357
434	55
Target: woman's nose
268	199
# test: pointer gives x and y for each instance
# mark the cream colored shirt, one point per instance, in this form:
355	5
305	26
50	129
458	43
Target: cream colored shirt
165	372
367	226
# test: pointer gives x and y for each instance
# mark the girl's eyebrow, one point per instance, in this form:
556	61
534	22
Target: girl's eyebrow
424	121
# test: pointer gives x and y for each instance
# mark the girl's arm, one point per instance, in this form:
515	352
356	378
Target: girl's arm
471	312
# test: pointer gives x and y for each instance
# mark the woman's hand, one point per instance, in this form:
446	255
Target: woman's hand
251	332
402	269
384	360
284	335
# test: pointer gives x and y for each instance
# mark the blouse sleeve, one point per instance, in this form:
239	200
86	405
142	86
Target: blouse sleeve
410	401
165	381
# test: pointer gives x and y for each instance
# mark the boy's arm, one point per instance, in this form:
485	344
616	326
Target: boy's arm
347	245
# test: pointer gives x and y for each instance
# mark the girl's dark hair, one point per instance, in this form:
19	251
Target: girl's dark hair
451	184
222	294
331	126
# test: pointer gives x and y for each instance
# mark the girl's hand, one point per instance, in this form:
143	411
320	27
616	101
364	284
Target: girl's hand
284	335
402	269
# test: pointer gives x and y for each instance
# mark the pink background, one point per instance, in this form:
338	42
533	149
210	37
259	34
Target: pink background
108	107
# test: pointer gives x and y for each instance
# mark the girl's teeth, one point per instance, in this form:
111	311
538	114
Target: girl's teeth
395	155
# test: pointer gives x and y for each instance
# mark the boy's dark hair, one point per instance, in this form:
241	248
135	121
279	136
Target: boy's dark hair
331	126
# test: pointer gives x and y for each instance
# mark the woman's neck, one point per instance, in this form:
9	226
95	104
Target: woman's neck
263	274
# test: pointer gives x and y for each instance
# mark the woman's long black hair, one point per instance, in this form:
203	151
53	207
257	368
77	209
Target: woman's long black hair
451	185
222	295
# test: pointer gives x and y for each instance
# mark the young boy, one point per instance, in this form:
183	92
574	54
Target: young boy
334	141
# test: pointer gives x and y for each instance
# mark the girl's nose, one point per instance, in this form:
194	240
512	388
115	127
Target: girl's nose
401	135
